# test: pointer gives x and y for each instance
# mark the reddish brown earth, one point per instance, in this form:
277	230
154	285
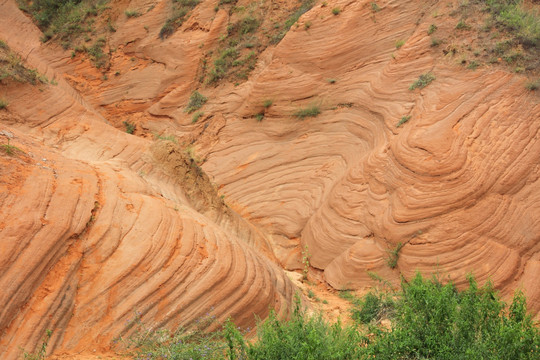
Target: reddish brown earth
97	224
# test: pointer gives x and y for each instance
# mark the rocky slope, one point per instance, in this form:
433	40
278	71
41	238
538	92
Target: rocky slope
97	224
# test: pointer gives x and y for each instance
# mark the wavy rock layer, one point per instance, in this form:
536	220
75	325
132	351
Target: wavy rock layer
96	224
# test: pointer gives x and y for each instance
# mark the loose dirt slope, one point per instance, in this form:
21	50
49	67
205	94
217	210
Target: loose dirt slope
96	224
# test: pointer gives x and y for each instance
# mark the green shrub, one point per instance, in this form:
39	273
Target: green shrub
461	25
132	13
291	20
336	11
267	103
310	111
432	29
179	12
149	343
522	23
222	64
423	81
302	337
403	120
533	85
473	65
373	307
42	352
393	255
435	321
196	116
67	19
375	7
130	127
3	103
399	43
429	320
196	101
435	42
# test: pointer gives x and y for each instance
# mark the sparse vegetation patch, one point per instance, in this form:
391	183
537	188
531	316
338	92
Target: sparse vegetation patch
423	81
196	101
310	111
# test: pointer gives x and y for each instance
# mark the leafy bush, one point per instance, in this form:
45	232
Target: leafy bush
3	103
302	337
423	81
67	19
130	127
310	111
336	11
435	321
429	320
523	23
196	101
399	43
373	307
432	29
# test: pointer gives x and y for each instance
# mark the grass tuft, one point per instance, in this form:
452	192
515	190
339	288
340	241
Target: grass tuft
310	111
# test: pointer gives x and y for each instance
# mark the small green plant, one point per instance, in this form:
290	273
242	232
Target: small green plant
311	294
42	352
305	262
196	116
435	42
267	103
196	101
130	127
473	65
461	25
423	81
347	295
307	25
180	10
325	302
291	20
533	85
132	13
10	149
171	138
399	43
393	256
336	11
432	28
331	81
310	111
403	120
259	117
375	7
3	103
373	307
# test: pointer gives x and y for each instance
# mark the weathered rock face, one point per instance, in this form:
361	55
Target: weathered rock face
96	224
